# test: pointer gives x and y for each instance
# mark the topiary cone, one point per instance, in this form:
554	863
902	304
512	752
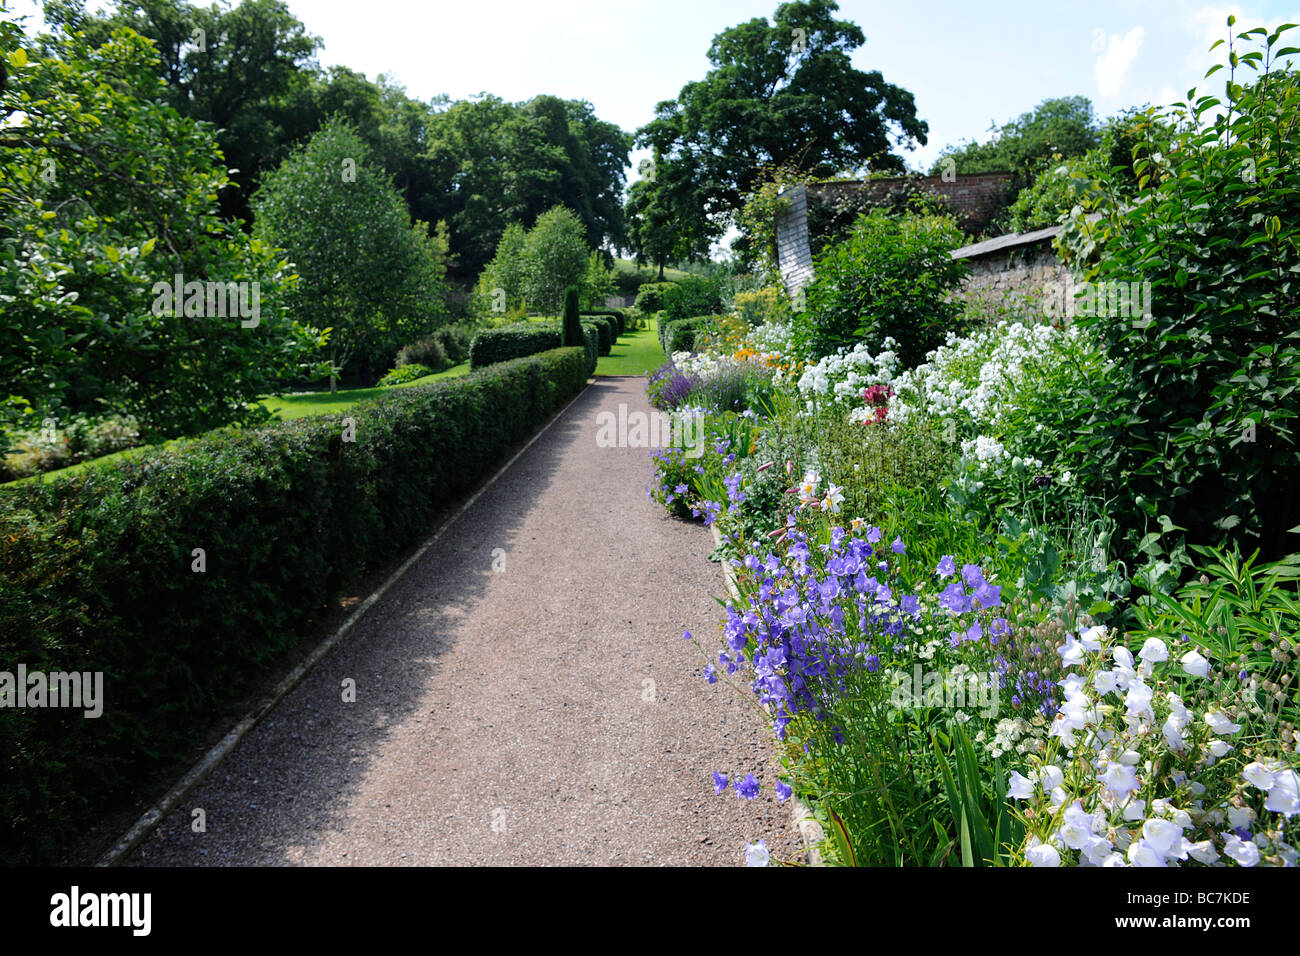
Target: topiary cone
572	324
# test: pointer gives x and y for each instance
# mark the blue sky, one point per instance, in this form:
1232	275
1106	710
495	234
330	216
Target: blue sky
969	65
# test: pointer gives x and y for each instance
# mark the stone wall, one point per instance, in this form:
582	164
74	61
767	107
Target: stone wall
1014	272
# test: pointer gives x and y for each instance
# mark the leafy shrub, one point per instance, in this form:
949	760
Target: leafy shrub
889	279
615	317
404	374
96	571
512	341
694	295
650	297
455	340
1199	411
428	352
679	335
79	438
761	306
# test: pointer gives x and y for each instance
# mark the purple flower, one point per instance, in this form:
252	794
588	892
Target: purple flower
954	598
680	489
719	782
748	788
946	567
909	605
972	575
873	535
783	791
686	635
897	546
989	595
710	674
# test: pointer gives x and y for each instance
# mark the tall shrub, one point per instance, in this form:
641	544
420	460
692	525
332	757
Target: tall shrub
889	279
1199	409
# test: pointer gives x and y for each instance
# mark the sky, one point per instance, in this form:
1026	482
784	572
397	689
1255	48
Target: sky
968	65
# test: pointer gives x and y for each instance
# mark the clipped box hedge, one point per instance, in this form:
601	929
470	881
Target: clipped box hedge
511	342
96	570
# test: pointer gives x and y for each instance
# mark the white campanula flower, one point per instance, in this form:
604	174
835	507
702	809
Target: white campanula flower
1138	699
1220	723
1076	830
756	854
1071	652
1258	776
1050	777
1240	818
1219	748
1122	657
1284	797
1142	853
1043	854
1022	788
1162	835
1203	851
1114	860
1104	682
1092	637
1194	664
1135	810
1243	852
1154	651
1119	779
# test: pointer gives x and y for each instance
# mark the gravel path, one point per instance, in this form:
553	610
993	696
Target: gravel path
544	713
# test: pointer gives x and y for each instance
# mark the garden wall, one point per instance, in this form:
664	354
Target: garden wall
1012	266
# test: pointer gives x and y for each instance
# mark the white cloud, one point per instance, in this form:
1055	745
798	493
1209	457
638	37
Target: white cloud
1113	65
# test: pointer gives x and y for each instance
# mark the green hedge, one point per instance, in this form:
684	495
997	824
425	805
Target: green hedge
604	340
96	571
620	320
511	342
679	335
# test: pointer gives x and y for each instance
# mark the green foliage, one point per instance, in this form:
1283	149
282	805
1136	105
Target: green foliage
502	284
572	322
684	335
1198	413
555	257
360	260
650	297
96	572
766	101
693	295
1053	130
403	374
889	279
98	216
508	342
428	351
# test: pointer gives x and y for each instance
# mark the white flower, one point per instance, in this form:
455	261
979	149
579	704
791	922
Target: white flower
1076	831
1071	652
1218	722
834	498
1240	818
1258	776
1022	788
1119	779
1194	664
1104	682
1161	835
1284	797
1044	854
1242	851
1091	638
1219	747
756	854
1050	777
1114	860
1142	853
1154	651
1138	699
1203	851
1135	810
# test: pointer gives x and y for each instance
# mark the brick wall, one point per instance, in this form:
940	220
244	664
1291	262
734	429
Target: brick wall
975	199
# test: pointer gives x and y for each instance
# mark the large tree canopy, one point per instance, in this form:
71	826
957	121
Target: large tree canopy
1064	127
781	93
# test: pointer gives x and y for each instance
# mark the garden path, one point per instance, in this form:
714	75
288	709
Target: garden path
545	712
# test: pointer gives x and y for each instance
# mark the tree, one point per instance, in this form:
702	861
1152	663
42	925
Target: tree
501	286
510	162
364	267
555	257
101	214
238	68
781	93
1056	129
661	226
572	321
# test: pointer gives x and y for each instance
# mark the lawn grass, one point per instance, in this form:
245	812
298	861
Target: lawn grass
635	353
302	404
284	407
